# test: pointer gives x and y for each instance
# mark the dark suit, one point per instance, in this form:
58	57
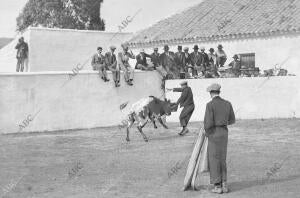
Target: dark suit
197	62
219	113
186	101
155	59
168	63
111	63
98	63
179	60
141	59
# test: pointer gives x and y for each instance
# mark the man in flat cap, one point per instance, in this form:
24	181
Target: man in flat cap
123	62
98	63
186	101
218	114
111	63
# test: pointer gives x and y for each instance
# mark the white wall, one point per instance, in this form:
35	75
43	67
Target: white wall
268	50
84	102
60	49
252	98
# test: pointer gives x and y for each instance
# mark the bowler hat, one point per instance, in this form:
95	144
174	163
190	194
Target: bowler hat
211	49
99	48
214	87
220	46
196	47
156	49
235	56
166	47
179	47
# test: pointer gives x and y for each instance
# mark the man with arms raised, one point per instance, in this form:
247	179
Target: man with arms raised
186	101
219	113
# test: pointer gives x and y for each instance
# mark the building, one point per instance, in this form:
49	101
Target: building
265	31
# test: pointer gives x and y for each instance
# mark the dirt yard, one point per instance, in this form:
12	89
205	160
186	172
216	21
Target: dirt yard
99	163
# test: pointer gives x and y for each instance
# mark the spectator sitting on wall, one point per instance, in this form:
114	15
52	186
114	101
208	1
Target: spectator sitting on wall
155	58
221	56
141	61
123	62
98	63
111	64
22	55
236	65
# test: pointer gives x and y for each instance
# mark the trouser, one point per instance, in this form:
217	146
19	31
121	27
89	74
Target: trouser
186	114
102	72
20	64
217	151
116	75
128	73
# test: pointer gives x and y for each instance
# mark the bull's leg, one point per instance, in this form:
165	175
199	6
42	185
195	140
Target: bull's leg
162	123
140	128
129	125
153	121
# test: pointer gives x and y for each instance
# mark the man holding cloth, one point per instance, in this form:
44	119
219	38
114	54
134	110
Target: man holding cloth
219	113
186	101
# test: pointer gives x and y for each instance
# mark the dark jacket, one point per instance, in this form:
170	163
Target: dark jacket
22	50
167	61
110	61
186	97
98	60
205	59
142	59
155	59
187	59
179	59
196	59
218	113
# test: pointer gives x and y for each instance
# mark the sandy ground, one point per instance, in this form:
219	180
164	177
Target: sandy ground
99	163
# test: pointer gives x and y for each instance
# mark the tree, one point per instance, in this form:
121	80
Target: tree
69	14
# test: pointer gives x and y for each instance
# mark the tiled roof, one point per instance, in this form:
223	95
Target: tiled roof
223	19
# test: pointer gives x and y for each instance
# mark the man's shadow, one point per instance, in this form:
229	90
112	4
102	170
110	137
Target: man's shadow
237	186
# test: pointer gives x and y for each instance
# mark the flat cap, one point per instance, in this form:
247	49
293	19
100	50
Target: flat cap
184	83
156	48
214	87
112	47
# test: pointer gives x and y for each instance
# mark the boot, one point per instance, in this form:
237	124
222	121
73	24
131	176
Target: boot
217	189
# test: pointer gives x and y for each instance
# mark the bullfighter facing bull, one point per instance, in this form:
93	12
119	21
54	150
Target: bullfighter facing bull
186	101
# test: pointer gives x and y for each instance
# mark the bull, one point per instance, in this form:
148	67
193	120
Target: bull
146	109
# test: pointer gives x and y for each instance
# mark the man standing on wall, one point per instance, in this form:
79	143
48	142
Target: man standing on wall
22	55
196	61
123	62
98	63
179	60
218	114
186	101
111	63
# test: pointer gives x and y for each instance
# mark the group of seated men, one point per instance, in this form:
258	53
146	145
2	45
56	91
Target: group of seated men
181	64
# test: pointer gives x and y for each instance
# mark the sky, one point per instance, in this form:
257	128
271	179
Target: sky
113	12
